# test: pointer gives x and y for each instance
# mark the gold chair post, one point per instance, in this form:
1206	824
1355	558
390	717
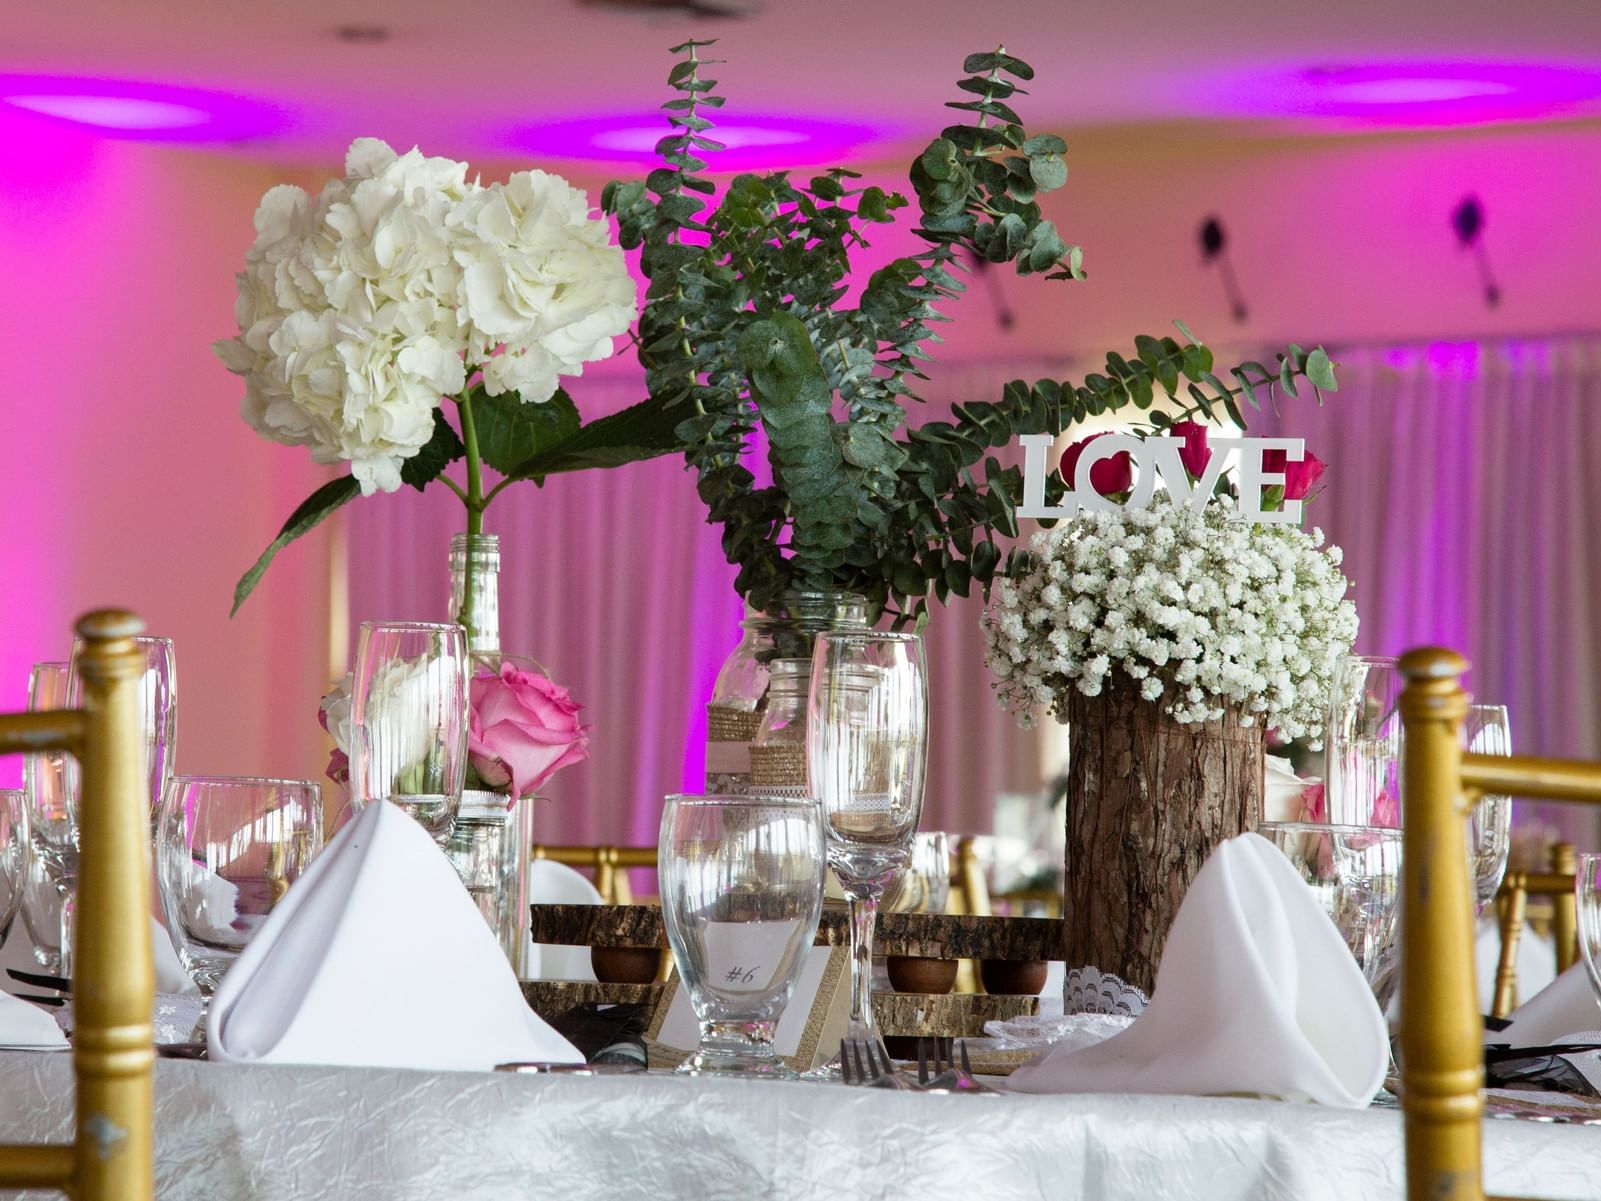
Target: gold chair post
1565	907
1513	912
113	1048
1441	1033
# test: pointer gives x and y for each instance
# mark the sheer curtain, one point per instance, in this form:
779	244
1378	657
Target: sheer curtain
615	582
1463	487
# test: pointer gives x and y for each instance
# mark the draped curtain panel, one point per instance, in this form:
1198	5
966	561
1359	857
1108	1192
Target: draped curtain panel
614	581
1463	487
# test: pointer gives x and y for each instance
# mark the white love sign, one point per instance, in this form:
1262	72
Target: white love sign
1160	456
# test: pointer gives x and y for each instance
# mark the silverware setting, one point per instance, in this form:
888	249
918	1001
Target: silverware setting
942	1067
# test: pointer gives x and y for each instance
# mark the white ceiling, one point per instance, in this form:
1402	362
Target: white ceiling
454	74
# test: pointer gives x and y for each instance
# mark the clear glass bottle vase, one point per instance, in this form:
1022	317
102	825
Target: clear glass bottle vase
475	594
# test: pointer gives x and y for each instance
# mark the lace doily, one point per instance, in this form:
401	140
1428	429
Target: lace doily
1090	990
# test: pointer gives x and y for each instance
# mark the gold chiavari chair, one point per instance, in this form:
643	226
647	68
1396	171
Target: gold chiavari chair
1442	1054
610	865
1555	884
113	1055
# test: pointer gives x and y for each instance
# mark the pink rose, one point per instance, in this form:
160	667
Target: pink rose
339	767
1108	477
1314	806
1298	477
1194	454
523	728
1387	810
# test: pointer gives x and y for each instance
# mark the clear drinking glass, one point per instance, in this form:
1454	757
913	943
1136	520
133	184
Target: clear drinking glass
48	782
1487	731
741	890
866	748
408	714
1587	891
1362	778
158	707
227	850
1355	873
16	855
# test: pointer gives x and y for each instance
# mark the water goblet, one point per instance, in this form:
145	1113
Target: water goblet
158	709
48	785
741	892
1355	873
408	713
1362	777
866	750
227	850
16	856
1487	731
1587	893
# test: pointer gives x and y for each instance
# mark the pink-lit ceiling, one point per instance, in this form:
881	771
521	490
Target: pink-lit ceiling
825	78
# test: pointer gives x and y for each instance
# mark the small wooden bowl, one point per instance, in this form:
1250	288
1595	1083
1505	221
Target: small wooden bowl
909	973
1013	978
625	965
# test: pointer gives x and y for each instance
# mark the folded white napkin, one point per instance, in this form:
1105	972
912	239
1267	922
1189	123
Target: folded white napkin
1568	1005
552	883
170	975
377	957
1256	993
27	1026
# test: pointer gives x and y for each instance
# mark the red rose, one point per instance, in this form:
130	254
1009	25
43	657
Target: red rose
1194	454
1109	476
1298	477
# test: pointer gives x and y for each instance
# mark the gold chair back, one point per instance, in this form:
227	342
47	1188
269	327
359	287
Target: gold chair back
1442	1053
113	1054
609	864
1556	885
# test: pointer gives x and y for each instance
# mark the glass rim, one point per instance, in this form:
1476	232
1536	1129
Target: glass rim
1329	827
430	626
869	636
730	799
1391	660
63	664
235	781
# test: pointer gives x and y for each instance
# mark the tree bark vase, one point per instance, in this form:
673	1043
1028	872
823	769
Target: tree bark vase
1148	799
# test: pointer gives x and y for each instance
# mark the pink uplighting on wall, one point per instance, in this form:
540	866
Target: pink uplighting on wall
1415	94
133	109
751	141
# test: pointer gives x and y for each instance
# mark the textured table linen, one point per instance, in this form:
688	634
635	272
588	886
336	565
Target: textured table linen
258	1131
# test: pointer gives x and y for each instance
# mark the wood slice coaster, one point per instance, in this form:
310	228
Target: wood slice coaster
551	998
926	935
945	1015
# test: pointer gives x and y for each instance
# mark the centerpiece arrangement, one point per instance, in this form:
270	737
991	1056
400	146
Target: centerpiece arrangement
1168	638
746	325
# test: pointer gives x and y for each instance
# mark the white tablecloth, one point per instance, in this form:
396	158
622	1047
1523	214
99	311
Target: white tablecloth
278	1132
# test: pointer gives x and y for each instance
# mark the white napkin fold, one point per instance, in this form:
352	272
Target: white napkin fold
377	957
1566	1006
27	1026
1256	993
170	976
552	883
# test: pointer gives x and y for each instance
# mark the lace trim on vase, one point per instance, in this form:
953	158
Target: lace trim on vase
1090	990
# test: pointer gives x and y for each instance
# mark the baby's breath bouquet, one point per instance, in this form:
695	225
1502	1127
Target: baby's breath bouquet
1201	610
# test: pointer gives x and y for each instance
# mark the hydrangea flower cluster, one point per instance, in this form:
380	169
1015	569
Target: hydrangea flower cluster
360	309
1202	610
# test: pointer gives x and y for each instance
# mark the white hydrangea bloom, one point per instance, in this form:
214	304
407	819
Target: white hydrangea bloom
360	309
1203	611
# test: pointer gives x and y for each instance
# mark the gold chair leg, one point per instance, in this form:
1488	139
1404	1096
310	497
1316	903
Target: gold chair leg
1514	909
1565	908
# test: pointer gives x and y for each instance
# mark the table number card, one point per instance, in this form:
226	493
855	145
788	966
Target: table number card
808	1033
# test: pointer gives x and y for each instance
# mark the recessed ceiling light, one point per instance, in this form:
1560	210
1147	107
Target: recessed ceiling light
751	142
133	109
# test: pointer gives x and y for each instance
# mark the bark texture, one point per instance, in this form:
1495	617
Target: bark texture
1147	801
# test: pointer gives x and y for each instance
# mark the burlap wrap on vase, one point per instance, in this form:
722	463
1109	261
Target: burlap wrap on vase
1147	800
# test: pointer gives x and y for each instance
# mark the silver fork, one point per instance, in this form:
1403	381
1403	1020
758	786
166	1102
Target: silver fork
938	1071
859	1065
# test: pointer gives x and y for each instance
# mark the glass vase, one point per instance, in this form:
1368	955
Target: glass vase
489	849
475	595
739	698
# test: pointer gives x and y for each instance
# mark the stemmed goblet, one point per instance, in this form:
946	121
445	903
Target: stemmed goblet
1587	893
16	855
1487	731
408	713
227	850
866	752
742	889
158	709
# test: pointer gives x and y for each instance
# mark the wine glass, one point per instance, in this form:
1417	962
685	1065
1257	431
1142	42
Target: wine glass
48	781
16	854
1362	774
1487	731
866	746
158	709
1587	892
408	714
742	889
227	850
